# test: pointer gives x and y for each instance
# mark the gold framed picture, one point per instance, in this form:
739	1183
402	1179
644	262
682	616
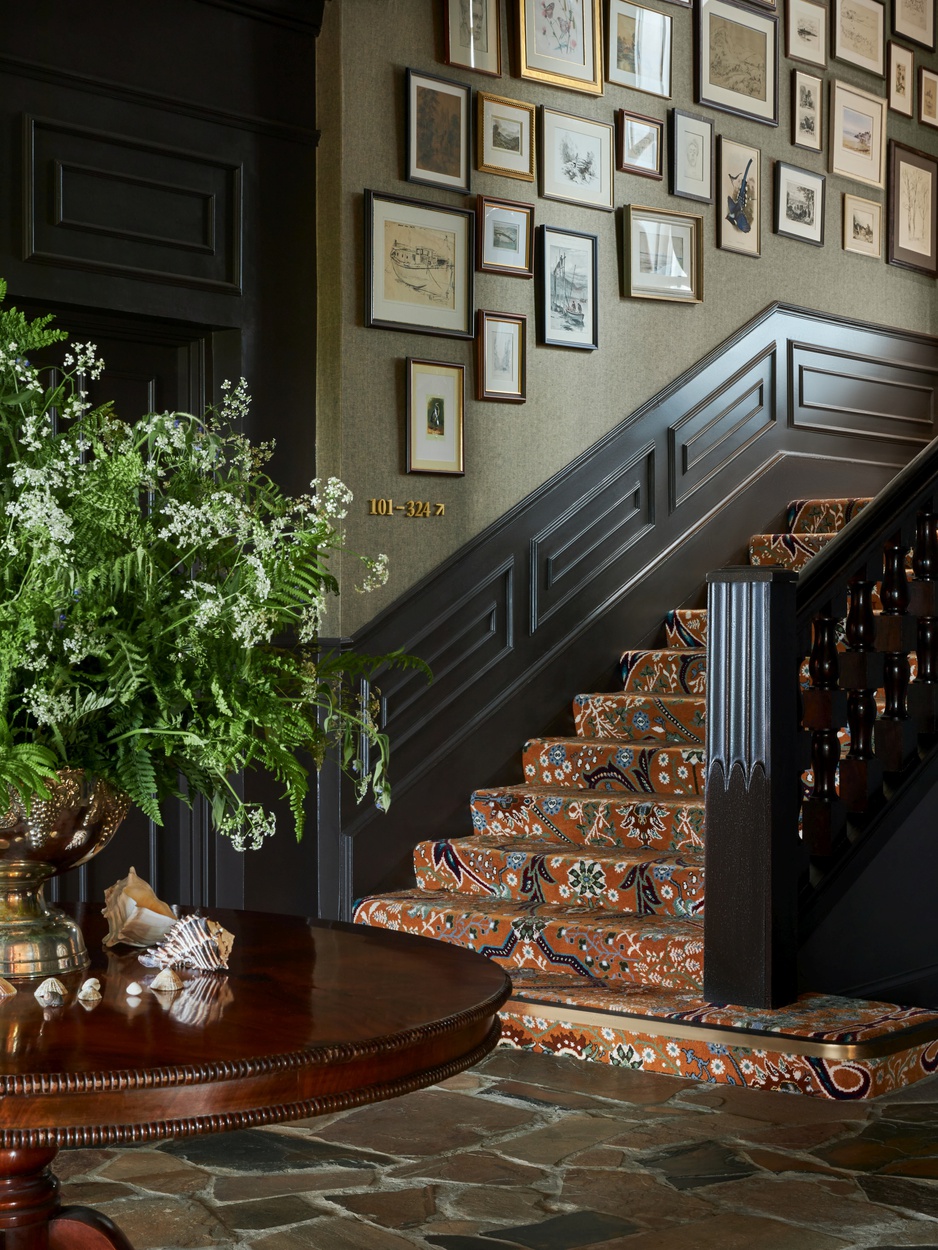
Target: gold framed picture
560	42
435	417
505	136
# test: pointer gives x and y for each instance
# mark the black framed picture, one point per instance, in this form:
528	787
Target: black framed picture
913	194
438	129
799	204
690	156
568	282
736	60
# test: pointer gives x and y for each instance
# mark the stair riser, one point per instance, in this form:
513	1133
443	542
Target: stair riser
616	951
646	889
581	765
587	819
822	516
664	672
789	551
635	718
686	627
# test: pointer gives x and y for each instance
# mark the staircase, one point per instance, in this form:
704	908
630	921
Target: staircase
586	882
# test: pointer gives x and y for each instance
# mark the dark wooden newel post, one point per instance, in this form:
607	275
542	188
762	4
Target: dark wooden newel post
752	847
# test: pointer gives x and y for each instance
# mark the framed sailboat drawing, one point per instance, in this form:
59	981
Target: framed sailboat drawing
568	280
419	261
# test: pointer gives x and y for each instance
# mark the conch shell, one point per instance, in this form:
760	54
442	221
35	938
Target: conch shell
134	914
193	942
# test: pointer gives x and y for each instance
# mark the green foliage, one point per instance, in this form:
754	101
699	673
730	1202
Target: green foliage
160	599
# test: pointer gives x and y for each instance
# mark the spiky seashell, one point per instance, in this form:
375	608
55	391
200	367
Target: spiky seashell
90	990
134	914
202	1002
194	942
51	993
166	982
7	988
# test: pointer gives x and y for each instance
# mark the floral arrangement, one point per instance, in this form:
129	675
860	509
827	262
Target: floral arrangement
160	599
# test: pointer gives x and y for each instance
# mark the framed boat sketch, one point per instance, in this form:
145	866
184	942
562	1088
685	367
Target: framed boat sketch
858	134
915	20
419	261
927	97
690	156
506	237
739	199
505	137
568	282
501	357
435	417
560	42
438	131
638	55
473	35
806	105
736	60
576	159
859	33
863	226
913	194
900	69
806	32
640	144
663	253
799	204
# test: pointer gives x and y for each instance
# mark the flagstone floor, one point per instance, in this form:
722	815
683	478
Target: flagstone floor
527	1152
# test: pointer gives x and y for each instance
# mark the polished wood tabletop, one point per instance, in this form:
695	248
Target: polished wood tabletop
310	1017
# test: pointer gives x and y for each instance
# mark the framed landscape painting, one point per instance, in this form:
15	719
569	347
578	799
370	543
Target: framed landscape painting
639	51
858	134
506	237
568	280
863	227
806	104
736	60
806	32
913	195
799	204
915	20
739	228
560	42
473	35
859	33
576	159
438	131
505	137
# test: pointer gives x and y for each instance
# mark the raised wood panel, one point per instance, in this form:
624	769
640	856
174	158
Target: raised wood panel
569	553
722	425
114	204
870	398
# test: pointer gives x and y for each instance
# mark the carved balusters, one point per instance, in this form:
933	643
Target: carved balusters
923	603
823	813
861	674
895	735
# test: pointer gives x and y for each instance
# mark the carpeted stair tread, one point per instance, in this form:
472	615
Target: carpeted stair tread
667	720
589	818
790	551
636	881
686	627
822	516
598	764
670	670
651	950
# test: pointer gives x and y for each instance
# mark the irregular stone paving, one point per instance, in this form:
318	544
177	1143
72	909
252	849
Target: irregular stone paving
530	1152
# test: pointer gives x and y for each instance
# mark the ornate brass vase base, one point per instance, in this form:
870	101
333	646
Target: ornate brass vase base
46	944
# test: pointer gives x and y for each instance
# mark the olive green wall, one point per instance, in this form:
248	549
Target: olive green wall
574	396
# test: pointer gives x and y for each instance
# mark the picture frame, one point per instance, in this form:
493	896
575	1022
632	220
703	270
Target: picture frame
663	252
690	156
640	144
438	131
900	74
910	207
501	357
914	20
419	263
567	289
807	103
858	134
859	33
863	226
504	136
638	48
473	35
436	402
736	60
505	242
806	32
576	159
739	229
562	47
799	203
927	97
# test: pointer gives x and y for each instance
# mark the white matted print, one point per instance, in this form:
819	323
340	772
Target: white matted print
576	159
806	33
863	226
500	356
664	254
927	97
691	156
737	60
435	421
915	20
641	144
859	34
806	104
639	53
560	42
900	69
567	295
505	136
739	222
858	134
506	237
799	204
473	35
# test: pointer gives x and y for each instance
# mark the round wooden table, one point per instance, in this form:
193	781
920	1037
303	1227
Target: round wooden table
311	1017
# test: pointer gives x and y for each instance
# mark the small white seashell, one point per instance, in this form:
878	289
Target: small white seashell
134	914
134	989
193	942
7	988
90	990
166	982
51	993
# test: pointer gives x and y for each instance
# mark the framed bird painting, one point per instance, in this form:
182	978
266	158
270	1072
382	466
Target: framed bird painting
739	216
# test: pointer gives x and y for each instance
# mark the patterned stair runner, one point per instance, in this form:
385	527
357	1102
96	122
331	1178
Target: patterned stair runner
586	881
